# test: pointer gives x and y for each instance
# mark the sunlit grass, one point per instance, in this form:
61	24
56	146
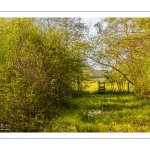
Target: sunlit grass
118	113
102	112
93	86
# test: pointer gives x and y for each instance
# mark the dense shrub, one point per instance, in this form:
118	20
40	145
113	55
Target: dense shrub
37	73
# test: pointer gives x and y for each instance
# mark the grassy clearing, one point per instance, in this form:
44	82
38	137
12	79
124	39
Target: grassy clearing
117	113
102	113
93	86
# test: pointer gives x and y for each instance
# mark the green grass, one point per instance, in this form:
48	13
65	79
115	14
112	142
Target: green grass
119	113
93	86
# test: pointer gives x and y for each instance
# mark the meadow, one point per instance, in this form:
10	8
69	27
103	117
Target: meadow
94	112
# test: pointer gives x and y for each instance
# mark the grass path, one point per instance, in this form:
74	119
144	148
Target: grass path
103	113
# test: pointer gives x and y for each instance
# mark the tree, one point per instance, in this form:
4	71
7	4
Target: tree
39	70
125	49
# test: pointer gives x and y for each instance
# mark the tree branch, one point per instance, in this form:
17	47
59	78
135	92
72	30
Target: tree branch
113	68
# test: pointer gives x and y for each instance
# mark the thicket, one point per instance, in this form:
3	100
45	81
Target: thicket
40	67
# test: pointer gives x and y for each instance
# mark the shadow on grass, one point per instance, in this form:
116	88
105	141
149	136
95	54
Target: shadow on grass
104	102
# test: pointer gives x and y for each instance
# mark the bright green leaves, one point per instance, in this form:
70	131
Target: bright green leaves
39	68
125	46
